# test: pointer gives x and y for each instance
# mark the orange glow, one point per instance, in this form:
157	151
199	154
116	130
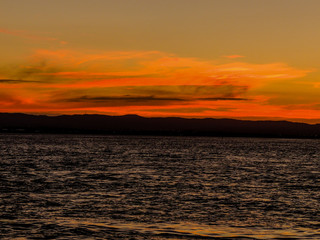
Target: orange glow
234	56
153	84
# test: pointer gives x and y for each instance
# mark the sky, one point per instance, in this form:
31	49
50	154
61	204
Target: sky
241	59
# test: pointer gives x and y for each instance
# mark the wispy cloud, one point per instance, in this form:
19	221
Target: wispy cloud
146	68
116	101
234	56
31	36
12	81
140	81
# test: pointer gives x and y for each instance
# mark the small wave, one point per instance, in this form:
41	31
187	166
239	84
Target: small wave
122	230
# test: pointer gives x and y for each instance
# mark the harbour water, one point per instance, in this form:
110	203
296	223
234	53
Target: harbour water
155	187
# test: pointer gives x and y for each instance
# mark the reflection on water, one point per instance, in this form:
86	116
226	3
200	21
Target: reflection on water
71	228
122	187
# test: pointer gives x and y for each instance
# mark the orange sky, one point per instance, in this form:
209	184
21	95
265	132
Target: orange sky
45	70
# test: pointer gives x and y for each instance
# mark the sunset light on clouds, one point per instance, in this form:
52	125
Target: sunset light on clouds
155	59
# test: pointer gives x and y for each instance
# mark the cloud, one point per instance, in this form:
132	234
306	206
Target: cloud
127	82
186	91
8	99
234	56
188	110
223	99
115	101
168	92
146	68
128	100
146	95
14	81
31	36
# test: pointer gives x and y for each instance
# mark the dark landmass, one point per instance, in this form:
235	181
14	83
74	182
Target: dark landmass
136	125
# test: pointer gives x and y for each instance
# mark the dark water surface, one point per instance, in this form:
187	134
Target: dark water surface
137	187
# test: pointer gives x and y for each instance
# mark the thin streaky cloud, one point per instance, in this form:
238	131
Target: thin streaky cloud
234	56
126	98
121	101
28	35
130	100
223	99
14	81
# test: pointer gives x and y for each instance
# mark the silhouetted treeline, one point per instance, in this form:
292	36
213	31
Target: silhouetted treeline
133	124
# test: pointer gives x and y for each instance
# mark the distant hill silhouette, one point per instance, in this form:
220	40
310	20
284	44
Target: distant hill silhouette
133	124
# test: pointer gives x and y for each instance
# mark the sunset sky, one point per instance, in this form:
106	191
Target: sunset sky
243	59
